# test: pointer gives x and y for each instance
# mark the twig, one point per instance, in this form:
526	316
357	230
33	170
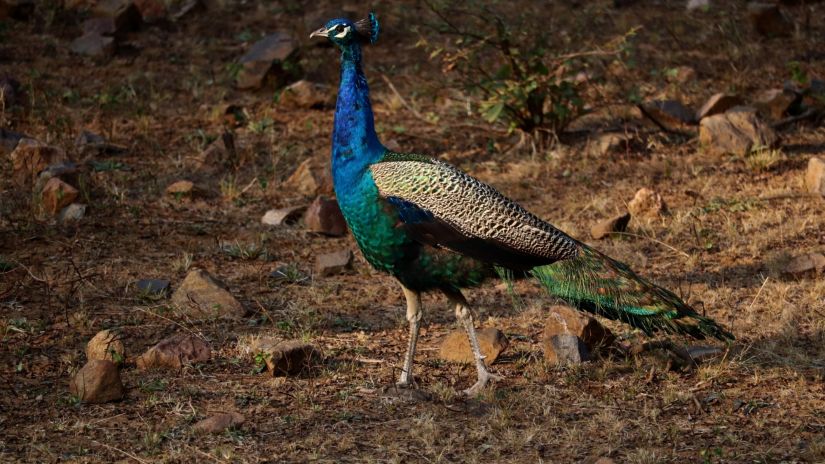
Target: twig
125	453
655	241
758	293
31	273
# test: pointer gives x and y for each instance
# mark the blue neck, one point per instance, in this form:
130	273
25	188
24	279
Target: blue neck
354	143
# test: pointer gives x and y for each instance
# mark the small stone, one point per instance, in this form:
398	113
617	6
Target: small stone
106	345
806	264
94	45
281	216
305	94
291	357
738	131
703	353
646	203
683	75
202	295
97	382
100	26
324	216
153	287
768	20
9	140
262	58
564	321
718	103
180	188
309	179
611	142
30	157
775	103
72	213
66	170
671	114
333	263
566	349
57	195
174	352
693	5
456	346
609	226
10	91
815	176
219	422
123	13
91	144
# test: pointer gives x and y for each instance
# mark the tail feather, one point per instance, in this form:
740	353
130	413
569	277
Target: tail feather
598	284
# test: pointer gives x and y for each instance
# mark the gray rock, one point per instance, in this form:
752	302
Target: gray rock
98	381
9	140
219	422
305	94
291	357
806	264
94	45
569	349
174	352
670	114
333	263
260	59
91	144
738	131
718	103
72	213
281	216
153	287
202	295
815	176
608	226
123	13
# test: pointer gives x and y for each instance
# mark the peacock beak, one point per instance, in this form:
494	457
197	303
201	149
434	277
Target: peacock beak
322	32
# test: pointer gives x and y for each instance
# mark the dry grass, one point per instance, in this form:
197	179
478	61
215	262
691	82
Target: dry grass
733	224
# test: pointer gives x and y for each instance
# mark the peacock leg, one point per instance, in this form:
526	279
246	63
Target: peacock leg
465	316
414	314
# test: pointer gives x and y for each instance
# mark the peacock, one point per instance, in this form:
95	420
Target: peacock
435	228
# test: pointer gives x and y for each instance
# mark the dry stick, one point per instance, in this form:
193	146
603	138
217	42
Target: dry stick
655	241
125	453
758	293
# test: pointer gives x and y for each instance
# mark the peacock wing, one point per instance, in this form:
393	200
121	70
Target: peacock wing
439	205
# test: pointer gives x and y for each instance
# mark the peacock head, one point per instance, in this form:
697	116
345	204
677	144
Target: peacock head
344	33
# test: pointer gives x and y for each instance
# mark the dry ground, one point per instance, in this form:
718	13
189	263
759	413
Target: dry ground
732	226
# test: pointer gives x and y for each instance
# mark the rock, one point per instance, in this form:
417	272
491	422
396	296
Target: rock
703	353
775	103
768	20
324	216
281	216
815	176
646	203
306	94
106	345
291	357
683	75
180	188
605	459
738	131
611	142
609	226
219	422
9	140
123	13
309	179
94	45
57	195
151	10
90	144
455	347
718	103
174	352
203	295
67	171
100	26
806	264
153	287
72	213
333	263
10	91
30	157
670	114
265	55
563	323
693	5
97	382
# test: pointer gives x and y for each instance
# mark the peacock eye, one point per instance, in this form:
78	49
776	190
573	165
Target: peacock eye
339	28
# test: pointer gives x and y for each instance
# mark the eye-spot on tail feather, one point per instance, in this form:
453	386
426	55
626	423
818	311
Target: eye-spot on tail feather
598	284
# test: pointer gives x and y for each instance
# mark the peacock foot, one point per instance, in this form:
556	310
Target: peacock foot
483	379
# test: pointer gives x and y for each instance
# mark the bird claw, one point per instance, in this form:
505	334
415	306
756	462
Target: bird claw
483	379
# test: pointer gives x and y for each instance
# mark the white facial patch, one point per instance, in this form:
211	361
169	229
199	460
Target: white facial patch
343	33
